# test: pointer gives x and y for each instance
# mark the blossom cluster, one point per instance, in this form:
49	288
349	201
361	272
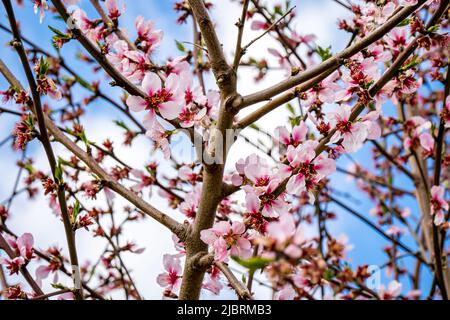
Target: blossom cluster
379	116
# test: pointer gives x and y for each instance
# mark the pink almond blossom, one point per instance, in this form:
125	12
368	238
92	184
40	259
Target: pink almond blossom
439	206
40	6
227	239
392	291
23	248
161	138
353	134
297	136
212	282
171	279
149	38
307	169
165	101
287	293
13	265
407	2
419	134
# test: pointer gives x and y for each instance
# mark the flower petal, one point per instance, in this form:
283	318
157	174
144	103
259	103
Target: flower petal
170	110
151	83
136	104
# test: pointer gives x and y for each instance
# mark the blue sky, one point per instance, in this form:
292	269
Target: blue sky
314	16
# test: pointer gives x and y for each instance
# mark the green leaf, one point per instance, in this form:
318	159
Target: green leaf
325	54
328	274
295	121
58	286
414	62
433	127
404	22
291	109
180	46
29	121
391	180
63	162
253	263
95	177
43	66
59	34
56	31
80	81
59	174
84	84
121	125
288	5
433	28
278	10
76	211
16	89
82	136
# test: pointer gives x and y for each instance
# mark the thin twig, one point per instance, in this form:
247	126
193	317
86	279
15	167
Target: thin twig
244	49
53	294
23	270
240	24
37	109
377	229
241	290
165	220
332	63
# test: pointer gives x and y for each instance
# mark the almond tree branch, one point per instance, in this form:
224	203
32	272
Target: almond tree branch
108	181
220	67
241	290
96	91
198	55
245	48
281	36
110	24
343	5
174	226
63	269
440	141
422	194
438	237
378	230
418	165
38	112
119	79
53	294
332	63
360	107
120	161
374	181
280	100
205	261
23	270
240	24
392	160
213	172
4	110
